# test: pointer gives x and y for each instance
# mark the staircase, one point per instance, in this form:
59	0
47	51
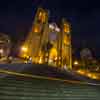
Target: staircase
18	88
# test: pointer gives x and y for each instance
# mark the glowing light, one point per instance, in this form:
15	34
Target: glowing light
53	53
57	29
94	77
51	26
42	16
36	29
40	60
81	71
24	49
1	51
66	28
55	58
50	60
66	40
76	63
25	55
89	75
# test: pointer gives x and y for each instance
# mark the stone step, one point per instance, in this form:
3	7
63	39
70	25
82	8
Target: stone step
36	83
35	89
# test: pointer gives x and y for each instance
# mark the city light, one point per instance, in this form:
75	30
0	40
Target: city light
40	61
66	40
42	16
76	63
66	28
36	29
89	75
1	51
50	60
57	29
81	72
24	49
53	53
51	26
94	77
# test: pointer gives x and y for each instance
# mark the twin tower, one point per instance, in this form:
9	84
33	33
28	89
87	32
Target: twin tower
48	43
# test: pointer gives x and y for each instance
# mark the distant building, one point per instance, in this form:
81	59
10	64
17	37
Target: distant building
86	54
5	45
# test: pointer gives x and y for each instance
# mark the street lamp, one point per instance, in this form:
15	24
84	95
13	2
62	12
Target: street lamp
76	63
24	49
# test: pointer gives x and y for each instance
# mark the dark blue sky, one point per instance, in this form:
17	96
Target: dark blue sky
15	17
84	15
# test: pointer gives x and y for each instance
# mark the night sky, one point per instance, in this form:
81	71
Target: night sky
84	15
